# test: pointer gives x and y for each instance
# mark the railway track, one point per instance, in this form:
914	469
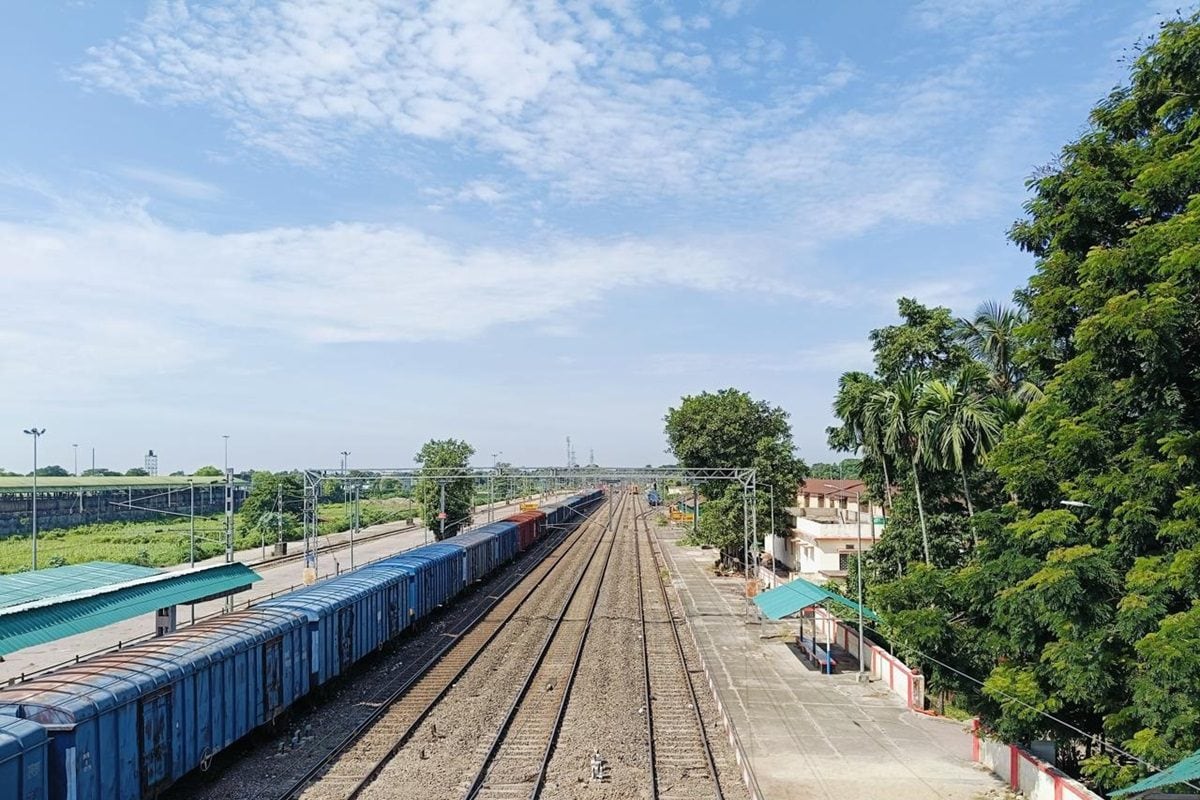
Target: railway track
514	764
352	766
680	758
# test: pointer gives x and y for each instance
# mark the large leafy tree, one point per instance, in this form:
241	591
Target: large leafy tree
1114	316
442	462
728	428
1088	612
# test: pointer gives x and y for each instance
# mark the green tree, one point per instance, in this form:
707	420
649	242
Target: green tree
263	498
100	472
208	471
925	341
442	461
896	410
136	472
960	423
52	471
728	428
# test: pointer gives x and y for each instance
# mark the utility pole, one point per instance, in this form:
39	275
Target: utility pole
278	516
858	571
346	479
228	528
353	524
192	524
36	434
492	487
76	448
442	509
225	436
93	461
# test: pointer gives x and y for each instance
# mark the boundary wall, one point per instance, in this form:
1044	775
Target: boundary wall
1025	772
901	680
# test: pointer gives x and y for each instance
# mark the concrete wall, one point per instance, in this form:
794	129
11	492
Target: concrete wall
1024	772
901	680
69	509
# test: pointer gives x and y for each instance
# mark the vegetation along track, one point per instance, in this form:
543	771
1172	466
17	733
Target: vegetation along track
680	757
352	767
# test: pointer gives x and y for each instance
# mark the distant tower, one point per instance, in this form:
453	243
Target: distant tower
151	463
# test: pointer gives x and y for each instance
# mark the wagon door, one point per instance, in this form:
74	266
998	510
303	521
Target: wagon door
272	662
154	727
393	609
345	638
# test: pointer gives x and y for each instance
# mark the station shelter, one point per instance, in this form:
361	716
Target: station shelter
49	604
800	598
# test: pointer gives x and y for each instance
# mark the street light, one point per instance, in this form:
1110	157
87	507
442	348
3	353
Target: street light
1075	504
36	434
76	459
225	436
858	567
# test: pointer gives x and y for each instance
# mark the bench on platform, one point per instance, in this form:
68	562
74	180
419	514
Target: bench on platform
816	653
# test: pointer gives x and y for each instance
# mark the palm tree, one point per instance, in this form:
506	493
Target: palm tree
960	423
992	339
895	411
858	431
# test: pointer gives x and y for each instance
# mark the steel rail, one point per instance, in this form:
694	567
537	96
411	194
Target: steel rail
481	774
710	759
646	690
549	545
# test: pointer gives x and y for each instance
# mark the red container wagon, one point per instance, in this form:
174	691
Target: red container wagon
530	527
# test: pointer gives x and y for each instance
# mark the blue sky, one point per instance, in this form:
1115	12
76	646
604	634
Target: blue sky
318	226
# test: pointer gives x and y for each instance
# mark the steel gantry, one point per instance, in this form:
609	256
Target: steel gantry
551	479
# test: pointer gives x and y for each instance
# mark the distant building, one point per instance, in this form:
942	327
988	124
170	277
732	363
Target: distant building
826	530
151	464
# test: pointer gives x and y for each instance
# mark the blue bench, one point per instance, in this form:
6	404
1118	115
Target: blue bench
817	653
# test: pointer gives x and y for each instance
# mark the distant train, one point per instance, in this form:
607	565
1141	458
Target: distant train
127	725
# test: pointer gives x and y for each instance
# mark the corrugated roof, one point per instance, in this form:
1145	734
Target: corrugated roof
1186	770
19	588
798	594
21	483
53	618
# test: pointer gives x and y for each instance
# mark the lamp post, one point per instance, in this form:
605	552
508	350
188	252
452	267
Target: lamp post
225	436
346	478
36	434
76	447
492	486
858	568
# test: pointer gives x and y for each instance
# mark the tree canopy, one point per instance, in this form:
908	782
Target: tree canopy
445	457
1088	391
208	471
729	428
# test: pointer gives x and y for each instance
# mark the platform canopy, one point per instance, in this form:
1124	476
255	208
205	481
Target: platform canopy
45	605
799	594
1187	770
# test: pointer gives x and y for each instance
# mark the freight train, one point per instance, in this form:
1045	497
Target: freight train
127	725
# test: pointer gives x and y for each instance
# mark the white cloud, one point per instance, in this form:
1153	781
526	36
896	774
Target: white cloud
127	295
170	182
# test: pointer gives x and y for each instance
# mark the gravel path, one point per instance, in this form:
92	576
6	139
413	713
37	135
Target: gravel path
447	748
605	713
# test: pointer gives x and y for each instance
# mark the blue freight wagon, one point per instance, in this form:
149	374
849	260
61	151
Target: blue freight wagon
23	767
487	548
349	617
126	725
436	572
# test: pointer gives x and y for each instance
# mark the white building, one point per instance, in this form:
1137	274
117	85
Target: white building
831	522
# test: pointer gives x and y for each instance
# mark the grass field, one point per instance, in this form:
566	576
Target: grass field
165	542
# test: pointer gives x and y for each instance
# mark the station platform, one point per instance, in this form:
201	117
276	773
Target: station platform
277	577
806	735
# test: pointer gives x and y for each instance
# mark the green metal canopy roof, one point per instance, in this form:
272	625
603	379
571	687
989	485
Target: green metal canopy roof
54	617
1186	770
19	588
798	594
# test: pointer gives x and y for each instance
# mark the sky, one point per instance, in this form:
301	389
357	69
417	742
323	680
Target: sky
329	225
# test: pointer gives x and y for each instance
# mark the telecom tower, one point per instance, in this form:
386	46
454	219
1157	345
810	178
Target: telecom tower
151	463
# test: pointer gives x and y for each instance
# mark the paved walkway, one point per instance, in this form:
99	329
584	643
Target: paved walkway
811	736
276	578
